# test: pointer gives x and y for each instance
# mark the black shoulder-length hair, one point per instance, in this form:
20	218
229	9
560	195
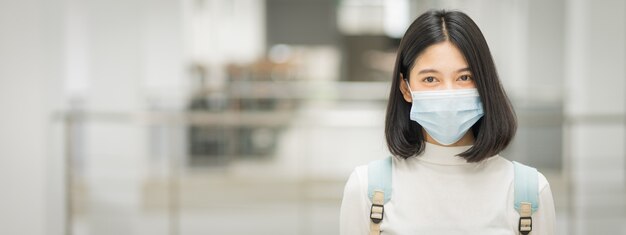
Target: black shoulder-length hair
494	131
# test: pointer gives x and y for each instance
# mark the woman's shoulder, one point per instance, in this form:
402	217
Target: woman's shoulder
359	171
356	186
359	175
358	180
508	165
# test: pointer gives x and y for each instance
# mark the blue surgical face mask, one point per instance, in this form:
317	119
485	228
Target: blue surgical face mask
446	114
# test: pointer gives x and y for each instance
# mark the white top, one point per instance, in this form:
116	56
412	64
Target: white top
440	193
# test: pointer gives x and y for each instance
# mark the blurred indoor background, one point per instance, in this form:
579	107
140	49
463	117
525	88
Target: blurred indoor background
247	116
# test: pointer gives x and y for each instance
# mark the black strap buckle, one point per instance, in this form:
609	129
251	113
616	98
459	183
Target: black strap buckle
525	225
376	213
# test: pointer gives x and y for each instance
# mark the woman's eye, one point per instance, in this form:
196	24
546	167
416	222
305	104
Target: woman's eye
465	78
429	79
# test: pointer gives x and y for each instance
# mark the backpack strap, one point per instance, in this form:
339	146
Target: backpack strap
526	195
378	191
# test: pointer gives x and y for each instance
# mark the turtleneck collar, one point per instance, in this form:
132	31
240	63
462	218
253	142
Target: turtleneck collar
443	155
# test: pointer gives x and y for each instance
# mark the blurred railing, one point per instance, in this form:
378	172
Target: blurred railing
132	172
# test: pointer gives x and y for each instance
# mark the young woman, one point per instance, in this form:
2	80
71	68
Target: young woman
447	120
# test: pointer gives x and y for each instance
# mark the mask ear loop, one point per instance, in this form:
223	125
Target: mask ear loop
408	86
406	80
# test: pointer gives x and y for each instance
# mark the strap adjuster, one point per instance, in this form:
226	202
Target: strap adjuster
525	224
376	213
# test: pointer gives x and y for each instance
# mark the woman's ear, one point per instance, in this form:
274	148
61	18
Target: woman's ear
404	88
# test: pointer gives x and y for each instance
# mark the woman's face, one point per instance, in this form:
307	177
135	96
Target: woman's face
440	66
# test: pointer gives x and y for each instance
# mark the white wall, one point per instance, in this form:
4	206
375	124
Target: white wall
132	53
29	89
595	108
112	54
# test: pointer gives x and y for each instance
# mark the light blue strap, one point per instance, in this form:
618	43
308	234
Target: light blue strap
379	178
526	186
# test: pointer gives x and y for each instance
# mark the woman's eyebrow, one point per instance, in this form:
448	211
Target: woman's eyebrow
427	71
466	69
